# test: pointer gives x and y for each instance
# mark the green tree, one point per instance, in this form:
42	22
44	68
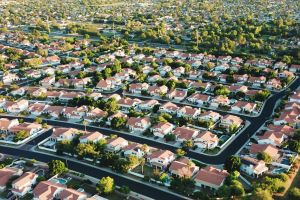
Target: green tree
106	185
183	185
180	153
57	167
294	194
232	163
260	194
264	156
118	122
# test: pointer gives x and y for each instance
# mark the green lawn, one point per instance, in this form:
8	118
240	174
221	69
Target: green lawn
147	170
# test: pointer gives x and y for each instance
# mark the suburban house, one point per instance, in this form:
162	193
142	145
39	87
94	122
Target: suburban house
157	91
16	107
210	177
138	125
23	184
47	190
95	115
270	137
116	144
220	101
210	115
92	137
185	133
230	120
198	98
287	130
266	148
7	124
54	111
252	166
161	129
183	167
135	149
6	174
206	140
127	103
116	115
161	158
168	107
137	88
69	193
60	134
177	94
243	106
105	85
257	81
188	112
148	104
30	128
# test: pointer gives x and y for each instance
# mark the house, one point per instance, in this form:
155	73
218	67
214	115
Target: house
210	177
16	107
67	96
177	94
206	140
116	115
231	120
270	137
157	91
280	65
9	78
295	97
95	95
287	130
18	92
289	117
137	88
266	148
220	101
257	81
47	190
7	124
23	184
148	104
161	159
116	144
6	174
285	74
200	86
179	71
95	115
161	129
52	95
69	193
294	68
238	88
221	67
154	78
273	84
127	103
164	69
183	167
168	107
54	111
252	166
188	112
198	98
37	92
105	85
92	137
240	78
210	116
243	106
135	149
138	125
185	133
60	134
30	128
69	113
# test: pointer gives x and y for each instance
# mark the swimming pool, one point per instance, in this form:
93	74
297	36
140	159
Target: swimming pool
59	180
278	171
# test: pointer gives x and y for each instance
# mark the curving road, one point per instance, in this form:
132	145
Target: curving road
232	148
143	188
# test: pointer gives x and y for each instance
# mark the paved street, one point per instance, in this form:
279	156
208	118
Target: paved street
137	186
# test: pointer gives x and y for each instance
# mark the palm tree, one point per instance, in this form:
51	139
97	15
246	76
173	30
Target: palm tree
142	162
85	123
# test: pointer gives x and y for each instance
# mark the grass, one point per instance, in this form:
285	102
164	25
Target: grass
148	171
212	151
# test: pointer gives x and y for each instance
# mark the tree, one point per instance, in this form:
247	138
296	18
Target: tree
125	189
170	137
118	122
38	120
264	156
20	135
260	194
180	152
294	194
183	185
57	167
106	185
294	146
142	163
187	144
232	163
